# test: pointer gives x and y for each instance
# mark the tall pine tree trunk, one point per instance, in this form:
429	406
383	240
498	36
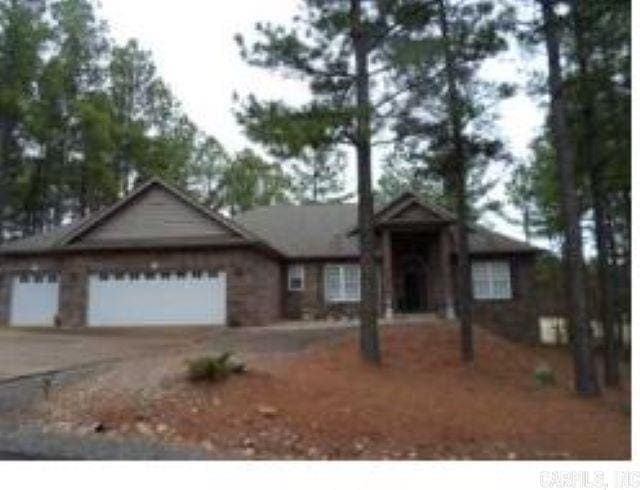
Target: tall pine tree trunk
369	343
4	188
459	179
598	194
585	379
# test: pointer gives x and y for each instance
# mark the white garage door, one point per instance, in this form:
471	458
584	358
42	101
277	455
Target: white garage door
157	298
34	300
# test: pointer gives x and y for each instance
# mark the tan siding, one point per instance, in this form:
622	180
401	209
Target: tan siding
157	214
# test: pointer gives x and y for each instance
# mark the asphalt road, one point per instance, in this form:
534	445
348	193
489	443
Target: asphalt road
4	456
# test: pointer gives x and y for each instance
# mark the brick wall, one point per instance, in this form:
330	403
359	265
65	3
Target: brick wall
253	279
515	318
310	302
5	299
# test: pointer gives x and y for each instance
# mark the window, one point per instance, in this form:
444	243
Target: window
491	280
296	277
342	283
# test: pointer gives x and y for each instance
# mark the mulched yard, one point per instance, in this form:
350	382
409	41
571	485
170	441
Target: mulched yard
325	403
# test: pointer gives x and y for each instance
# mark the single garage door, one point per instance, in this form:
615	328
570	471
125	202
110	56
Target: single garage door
157	298
34	300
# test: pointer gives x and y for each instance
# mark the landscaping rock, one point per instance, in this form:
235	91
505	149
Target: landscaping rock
268	411
144	429
63	426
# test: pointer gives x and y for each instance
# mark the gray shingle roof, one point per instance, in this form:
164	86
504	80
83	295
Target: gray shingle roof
482	240
312	230
323	230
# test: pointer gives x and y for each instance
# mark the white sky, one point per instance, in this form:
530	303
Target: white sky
193	48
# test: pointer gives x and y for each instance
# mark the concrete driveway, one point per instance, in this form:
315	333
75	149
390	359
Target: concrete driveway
26	352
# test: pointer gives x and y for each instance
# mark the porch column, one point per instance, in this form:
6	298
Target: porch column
387	273
446	271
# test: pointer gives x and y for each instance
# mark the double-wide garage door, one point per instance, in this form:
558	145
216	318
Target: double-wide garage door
157	298
126	299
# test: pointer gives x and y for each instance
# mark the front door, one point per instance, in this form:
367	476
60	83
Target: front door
413	296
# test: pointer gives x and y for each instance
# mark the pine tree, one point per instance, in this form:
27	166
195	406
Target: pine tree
318	177
582	12
250	181
443	119
331	46
132	78
586	381
23	35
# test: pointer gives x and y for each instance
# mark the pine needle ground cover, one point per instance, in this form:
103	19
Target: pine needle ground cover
325	403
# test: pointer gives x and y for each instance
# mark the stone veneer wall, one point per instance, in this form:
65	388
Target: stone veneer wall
253	279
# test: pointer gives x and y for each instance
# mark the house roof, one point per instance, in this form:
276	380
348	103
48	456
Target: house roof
326	230
296	231
312	230
485	241
407	199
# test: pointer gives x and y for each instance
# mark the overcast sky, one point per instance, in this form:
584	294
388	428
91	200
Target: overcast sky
193	48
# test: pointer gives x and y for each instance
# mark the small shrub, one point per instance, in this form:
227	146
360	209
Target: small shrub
213	368
544	375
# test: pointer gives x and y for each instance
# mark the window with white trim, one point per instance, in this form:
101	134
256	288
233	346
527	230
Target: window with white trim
342	283
491	279
296	277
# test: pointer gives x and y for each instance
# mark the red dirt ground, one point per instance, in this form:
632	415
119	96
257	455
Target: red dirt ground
422	403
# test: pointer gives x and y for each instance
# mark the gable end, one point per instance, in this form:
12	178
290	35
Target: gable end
155	214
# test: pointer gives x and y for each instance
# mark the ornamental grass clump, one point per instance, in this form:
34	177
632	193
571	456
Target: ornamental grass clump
213	368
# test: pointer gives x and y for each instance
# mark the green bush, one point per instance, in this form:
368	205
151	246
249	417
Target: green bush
544	375
213	368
